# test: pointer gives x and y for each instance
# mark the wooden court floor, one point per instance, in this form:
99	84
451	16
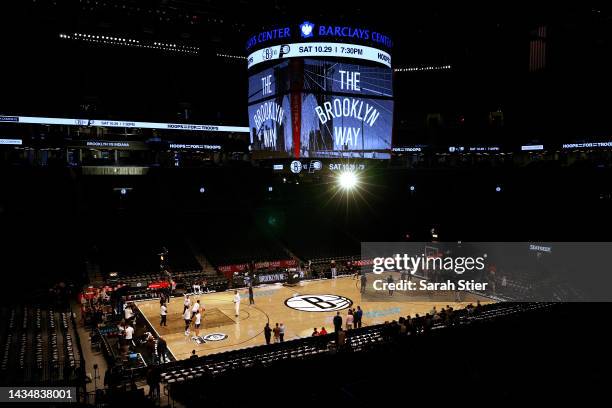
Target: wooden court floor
247	329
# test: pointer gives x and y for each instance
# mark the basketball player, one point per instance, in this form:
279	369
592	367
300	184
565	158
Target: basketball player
195	309
198	319
163	312
237	302
186	303
187	318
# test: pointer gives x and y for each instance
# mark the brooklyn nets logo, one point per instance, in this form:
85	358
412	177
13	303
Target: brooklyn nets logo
295	166
318	303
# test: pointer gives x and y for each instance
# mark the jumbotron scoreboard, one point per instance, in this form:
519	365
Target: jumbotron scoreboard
320	91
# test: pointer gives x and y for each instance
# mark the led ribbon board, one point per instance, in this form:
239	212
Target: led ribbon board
9	142
120	124
319	49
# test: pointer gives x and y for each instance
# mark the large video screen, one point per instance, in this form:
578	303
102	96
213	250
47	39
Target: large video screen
341	77
345	126
321	108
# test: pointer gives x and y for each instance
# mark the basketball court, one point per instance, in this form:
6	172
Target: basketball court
301	308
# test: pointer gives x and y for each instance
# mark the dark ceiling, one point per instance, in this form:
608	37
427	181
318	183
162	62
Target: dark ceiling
487	46
422	32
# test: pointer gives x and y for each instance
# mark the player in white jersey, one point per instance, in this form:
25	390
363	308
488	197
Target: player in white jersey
198	320
237	302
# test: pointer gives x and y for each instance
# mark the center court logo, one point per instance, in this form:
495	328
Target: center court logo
318	303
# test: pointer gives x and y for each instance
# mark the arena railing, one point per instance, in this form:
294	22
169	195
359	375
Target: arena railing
179	378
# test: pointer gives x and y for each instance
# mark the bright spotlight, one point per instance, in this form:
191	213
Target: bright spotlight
347	180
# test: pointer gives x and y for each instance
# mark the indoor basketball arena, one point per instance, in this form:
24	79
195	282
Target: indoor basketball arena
239	203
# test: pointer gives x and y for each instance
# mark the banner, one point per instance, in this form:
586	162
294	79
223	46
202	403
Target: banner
108	144
229	270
